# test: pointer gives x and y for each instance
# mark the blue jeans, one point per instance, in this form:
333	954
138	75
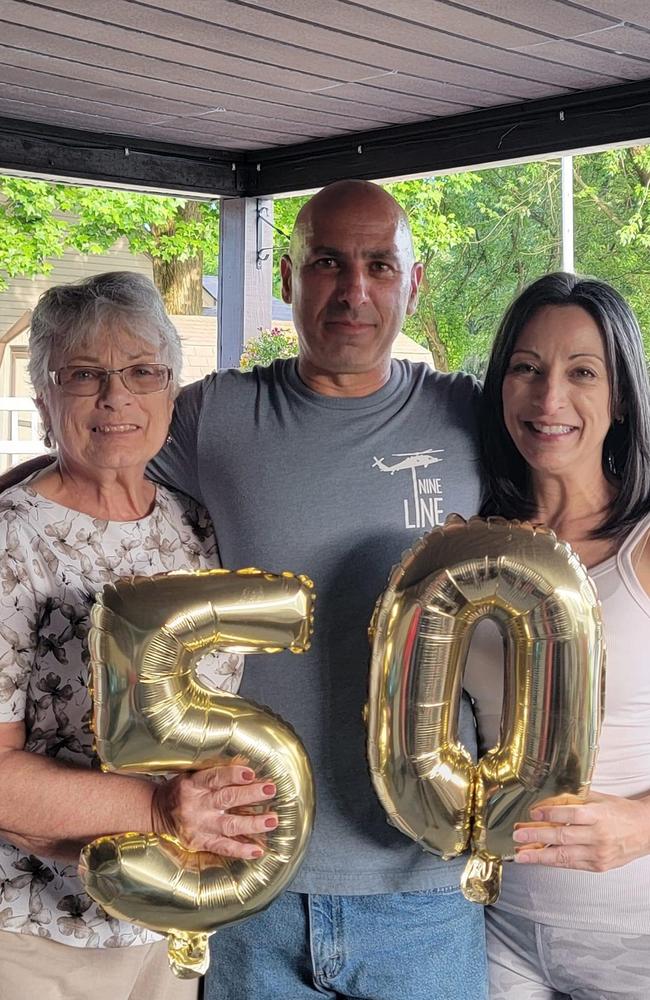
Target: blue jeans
403	946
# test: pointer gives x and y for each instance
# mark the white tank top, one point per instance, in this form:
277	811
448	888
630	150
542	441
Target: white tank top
617	900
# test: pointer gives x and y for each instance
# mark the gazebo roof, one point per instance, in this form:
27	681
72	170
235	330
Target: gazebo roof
253	97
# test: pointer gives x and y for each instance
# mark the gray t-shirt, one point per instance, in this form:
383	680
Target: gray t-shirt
336	488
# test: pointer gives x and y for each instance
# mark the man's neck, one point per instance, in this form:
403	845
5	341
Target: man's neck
328	383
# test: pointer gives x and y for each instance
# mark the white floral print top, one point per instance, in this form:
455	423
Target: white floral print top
54	561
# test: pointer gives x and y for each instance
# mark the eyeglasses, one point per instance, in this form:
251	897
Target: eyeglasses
138	379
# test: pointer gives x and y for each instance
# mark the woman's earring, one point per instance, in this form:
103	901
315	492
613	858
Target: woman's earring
47	440
169	439
619	420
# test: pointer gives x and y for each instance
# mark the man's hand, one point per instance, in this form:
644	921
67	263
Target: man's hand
601	833
206	810
20	472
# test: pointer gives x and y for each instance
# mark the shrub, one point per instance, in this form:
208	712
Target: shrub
267	346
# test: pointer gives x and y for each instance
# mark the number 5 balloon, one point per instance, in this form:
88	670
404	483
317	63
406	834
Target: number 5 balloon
541	598
151	714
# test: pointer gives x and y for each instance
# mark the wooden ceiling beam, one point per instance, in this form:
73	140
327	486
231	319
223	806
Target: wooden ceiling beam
511	132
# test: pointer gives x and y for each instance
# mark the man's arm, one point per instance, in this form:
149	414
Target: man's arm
176	464
19	473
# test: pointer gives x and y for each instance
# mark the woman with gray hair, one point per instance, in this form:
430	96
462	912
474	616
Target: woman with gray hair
105	364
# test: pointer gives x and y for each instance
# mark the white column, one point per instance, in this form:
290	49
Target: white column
567	213
244	289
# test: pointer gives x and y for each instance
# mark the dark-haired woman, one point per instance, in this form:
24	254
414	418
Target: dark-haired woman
566	442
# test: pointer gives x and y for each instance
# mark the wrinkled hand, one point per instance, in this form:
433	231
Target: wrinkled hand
603	832
206	810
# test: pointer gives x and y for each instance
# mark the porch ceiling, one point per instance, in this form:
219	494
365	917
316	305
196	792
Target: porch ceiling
250	96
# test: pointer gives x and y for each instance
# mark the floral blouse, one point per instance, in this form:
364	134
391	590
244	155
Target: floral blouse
54	561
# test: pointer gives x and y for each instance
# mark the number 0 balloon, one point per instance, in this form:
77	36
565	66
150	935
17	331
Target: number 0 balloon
152	715
539	594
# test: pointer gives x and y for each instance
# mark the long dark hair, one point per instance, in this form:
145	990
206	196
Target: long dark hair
626	449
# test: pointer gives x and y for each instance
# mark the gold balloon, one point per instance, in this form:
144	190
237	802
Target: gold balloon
151	714
539	594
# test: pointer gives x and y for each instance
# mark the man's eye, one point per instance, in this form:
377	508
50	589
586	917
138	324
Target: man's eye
326	263
381	267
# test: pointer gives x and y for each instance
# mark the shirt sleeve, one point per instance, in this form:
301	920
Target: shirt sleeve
18	622
176	464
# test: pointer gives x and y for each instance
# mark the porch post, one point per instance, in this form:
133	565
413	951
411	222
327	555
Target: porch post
244	288
567	213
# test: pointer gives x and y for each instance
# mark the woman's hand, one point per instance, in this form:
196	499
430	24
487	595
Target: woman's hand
603	832
206	810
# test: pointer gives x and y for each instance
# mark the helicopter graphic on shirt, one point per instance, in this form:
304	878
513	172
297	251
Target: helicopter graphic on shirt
424	508
412	460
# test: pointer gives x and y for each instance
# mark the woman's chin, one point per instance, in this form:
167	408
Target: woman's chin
115	456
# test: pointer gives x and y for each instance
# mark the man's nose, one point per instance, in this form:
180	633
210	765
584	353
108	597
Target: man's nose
353	287
113	392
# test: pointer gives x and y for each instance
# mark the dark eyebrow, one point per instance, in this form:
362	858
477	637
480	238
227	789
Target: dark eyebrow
323	251
572	357
379	254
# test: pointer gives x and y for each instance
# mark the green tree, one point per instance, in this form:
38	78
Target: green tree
39	221
484	235
612	223
285	211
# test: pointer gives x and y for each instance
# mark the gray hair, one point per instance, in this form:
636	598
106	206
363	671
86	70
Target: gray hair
67	316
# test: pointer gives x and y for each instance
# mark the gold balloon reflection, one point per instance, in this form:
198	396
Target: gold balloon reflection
152	715
538	592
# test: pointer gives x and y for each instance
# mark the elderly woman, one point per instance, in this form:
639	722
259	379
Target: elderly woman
104	365
566	441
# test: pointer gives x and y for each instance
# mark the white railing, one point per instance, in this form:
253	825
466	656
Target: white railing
23	416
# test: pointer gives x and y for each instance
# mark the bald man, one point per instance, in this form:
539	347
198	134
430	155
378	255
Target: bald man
351	278
332	464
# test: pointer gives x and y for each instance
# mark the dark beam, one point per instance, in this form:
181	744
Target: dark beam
536	128
598	117
117	160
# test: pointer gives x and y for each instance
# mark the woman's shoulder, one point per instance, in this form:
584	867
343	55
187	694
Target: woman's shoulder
21	506
635	552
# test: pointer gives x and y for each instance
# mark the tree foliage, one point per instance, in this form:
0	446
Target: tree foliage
612	220
484	235
40	220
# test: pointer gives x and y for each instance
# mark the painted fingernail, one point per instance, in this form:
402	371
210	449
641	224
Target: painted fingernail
268	789
270	823
257	853
247	775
